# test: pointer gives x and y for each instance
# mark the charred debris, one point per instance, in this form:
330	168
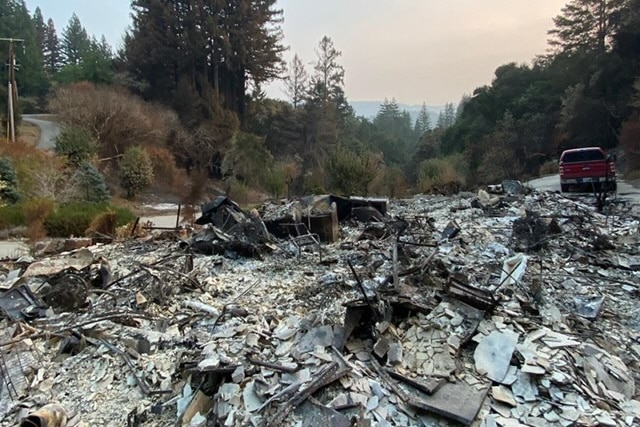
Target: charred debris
510	309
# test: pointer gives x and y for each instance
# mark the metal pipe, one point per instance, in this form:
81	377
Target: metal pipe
51	415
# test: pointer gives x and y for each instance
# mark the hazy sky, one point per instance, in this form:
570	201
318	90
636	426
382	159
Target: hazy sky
413	50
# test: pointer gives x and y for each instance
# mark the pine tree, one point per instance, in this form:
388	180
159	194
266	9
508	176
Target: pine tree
89	184
16	22
96	63
8	183
586	25
296	82
75	41
328	81
447	116
423	121
460	108
41	30
396	132
136	171
51	49
220	46
388	109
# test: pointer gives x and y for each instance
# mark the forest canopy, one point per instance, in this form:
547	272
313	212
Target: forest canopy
202	65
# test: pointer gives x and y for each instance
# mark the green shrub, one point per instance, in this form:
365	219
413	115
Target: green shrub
313	182
248	159
32	105
76	144
136	171
8	183
11	216
238	191
440	174
391	182
350	172
275	180
73	219
89	184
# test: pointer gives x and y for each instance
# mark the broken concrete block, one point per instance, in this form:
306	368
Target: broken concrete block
457	401
395	353
502	394
238	375
381	347
493	354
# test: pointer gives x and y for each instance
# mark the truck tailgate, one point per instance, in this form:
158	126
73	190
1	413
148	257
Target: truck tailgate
584	169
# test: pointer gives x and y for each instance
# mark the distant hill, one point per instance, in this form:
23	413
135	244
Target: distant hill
369	109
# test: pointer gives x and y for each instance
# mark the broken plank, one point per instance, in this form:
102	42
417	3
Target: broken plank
273	366
329	374
458	401
430	386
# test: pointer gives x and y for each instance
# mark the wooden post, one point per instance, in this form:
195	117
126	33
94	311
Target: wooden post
396	279
12	123
13	89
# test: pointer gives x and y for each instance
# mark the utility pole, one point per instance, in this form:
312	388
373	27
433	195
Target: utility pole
12	89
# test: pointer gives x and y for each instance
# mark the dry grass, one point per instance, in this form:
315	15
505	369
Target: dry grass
40	173
18	150
36	211
104	224
549	168
29	133
441	175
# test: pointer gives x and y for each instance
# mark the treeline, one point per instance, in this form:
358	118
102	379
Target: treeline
583	93
201	65
47	57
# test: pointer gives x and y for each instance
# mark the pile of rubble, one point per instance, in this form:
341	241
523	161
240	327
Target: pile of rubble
484	310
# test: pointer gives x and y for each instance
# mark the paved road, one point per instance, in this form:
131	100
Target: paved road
49	130
168	221
552	183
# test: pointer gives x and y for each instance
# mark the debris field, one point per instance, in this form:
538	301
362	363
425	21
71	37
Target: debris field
511	309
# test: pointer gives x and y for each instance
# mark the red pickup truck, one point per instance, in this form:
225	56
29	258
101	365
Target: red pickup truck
587	169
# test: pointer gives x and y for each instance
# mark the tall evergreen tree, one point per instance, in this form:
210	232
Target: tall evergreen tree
296	81
396	132
217	46
51	49
151	50
75	41
327	109
16	22
388	117
463	102
627	39
96	63
586	25
328	79
40	30
423	121
326	86
447	116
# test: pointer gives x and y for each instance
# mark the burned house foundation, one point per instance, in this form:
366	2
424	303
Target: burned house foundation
517	310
